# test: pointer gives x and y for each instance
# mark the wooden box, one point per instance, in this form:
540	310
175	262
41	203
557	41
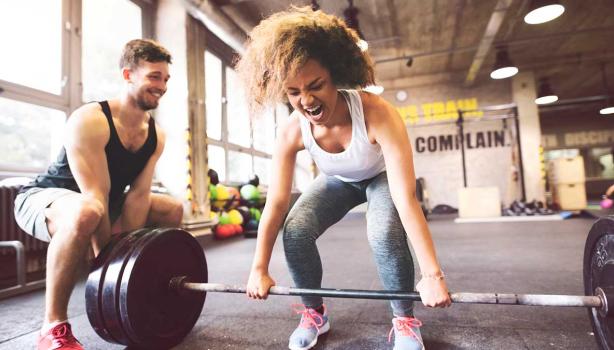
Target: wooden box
570	196
566	171
479	202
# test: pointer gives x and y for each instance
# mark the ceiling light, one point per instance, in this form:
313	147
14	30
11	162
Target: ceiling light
503	67
607	110
350	15
374	89
401	95
542	11
609	107
544	100
544	93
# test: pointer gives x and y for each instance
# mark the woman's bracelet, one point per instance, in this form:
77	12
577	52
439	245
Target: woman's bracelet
438	276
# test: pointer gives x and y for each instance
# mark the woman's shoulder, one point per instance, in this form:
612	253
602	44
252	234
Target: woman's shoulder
375	107
289	130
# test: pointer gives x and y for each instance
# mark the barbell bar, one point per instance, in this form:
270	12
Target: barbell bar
596	301
147	288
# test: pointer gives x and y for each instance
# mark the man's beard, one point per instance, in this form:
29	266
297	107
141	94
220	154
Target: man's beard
143	104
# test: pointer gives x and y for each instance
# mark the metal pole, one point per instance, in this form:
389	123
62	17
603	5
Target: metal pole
472	120
20	260
520	160
460	122
470	298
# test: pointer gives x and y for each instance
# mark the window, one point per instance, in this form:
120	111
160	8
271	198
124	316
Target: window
107	26
213	95
42	71
217	161
229	128
30	135
31	43
598	162
264	131
239	166
241	142
561	153
236	111
262	168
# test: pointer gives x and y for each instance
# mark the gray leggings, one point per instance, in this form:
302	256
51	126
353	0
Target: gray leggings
326	201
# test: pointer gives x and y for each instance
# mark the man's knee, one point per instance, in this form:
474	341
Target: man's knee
176	213
87	215
165	211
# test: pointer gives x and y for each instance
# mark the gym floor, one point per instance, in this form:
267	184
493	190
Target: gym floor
531	257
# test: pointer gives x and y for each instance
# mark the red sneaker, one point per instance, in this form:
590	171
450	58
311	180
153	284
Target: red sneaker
59	338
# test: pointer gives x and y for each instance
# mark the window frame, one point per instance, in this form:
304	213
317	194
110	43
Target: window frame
32	95
70	97
225	53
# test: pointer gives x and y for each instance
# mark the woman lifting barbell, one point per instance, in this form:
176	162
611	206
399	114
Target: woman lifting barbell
362	149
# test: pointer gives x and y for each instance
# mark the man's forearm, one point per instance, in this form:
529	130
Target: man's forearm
101	237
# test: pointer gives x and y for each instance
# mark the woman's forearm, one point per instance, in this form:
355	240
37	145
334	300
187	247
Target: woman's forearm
270	223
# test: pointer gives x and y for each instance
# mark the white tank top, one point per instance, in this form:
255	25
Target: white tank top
361	160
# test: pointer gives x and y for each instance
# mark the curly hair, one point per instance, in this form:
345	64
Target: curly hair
282	43
145	49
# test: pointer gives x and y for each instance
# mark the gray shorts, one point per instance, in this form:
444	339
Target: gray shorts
30	210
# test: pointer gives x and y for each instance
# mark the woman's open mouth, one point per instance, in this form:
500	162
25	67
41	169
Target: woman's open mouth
315	112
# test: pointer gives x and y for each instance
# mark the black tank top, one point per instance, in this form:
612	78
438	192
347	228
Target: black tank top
124	166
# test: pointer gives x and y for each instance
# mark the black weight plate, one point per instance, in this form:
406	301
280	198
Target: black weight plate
599	272
93	286
110	281
112	284
153	315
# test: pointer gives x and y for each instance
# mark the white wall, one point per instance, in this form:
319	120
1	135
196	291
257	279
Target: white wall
488	159
487	164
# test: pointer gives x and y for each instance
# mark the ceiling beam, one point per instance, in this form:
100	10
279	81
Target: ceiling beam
516	42
535	64
237	16
493	26
218	22
394	23
458	19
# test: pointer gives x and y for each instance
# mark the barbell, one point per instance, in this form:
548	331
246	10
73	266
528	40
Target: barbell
147	288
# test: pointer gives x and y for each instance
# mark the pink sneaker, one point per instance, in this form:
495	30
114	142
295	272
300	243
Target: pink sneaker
406	333
59	338
312	324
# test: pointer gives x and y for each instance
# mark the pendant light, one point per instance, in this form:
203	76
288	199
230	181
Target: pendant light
544	93
608	109
542	11
503	68
350	15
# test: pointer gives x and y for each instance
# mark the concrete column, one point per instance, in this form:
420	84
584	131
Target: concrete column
524	94
172	113
199	203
